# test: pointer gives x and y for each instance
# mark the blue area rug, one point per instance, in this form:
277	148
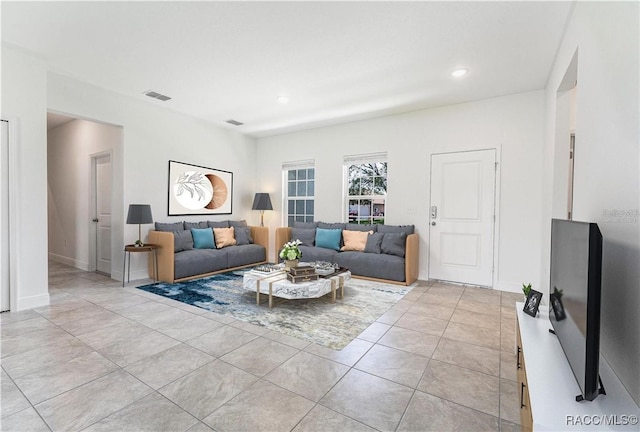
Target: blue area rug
318	320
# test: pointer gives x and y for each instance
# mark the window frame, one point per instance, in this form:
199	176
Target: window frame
350	161
286	169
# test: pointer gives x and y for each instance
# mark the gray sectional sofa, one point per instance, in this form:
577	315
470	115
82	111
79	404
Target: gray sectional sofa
390	254
179	260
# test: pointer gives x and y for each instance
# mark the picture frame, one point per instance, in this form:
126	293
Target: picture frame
533	303
557	306
199	190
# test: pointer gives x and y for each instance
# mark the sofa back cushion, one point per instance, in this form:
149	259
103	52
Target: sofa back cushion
200	225
355	240
362	227
374	243
407	229
182	241
306	235
394	243
169	227
328	238
224	237
338	225
313	225
218	224
202	238
237	224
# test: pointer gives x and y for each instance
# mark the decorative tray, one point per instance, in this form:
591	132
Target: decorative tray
268	268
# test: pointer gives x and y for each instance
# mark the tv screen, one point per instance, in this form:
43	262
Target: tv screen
574	312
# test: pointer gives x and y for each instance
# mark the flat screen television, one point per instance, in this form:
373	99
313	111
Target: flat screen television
575	291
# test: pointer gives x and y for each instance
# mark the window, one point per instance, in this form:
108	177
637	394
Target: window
366	182
299	188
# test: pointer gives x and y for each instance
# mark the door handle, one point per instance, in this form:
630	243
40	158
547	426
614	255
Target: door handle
95	220
434	212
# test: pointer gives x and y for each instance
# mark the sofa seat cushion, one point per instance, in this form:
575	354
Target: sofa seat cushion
241	255
198	261
380	266
312	253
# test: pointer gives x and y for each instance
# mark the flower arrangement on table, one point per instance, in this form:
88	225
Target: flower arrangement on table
290	251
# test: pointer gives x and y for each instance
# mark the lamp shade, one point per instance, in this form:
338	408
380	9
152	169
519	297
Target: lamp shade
139	214
262	201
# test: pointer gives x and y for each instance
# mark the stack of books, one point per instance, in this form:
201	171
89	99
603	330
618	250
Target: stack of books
302	274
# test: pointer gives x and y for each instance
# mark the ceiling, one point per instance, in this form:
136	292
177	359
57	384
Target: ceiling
335	61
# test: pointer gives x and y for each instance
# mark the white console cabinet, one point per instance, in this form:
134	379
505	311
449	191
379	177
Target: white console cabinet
548	388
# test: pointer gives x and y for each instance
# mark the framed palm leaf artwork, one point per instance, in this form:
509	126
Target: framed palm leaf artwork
197	190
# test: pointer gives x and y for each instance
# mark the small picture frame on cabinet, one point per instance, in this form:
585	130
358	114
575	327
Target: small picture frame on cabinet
533	303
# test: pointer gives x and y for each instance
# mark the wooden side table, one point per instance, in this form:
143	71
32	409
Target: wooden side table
148	247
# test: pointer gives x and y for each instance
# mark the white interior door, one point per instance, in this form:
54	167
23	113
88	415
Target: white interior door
462	217
4	219
103	213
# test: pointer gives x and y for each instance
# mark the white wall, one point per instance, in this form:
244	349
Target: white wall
153	135
24	99
513	124
607	165
70	148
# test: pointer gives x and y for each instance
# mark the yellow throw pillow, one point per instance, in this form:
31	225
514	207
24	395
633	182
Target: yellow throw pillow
224	237
354	240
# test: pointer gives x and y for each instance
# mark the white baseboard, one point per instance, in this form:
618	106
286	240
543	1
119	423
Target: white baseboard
32	302
69	261
508	286
135	275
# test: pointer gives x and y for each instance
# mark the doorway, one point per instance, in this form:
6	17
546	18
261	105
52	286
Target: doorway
101	205
462	217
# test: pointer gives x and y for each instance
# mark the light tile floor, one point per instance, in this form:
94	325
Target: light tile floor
105	358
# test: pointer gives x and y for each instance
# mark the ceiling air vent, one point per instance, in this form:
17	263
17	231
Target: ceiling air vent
156	95
234	122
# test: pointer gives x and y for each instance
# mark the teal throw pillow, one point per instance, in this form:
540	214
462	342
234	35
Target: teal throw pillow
328	238
203	238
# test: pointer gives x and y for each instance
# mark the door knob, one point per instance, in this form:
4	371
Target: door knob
433	223
95	219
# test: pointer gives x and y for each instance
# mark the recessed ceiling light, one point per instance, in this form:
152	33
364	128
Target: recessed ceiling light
460	72
282	99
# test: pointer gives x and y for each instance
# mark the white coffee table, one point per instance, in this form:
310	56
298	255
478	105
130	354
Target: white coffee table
276	284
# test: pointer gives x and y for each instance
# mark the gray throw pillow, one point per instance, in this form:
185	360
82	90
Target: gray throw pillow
169	227
407	229
362	227
221	224
197	225
374	243
306	235
238	224
243	236
297	224
182	240
394	243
